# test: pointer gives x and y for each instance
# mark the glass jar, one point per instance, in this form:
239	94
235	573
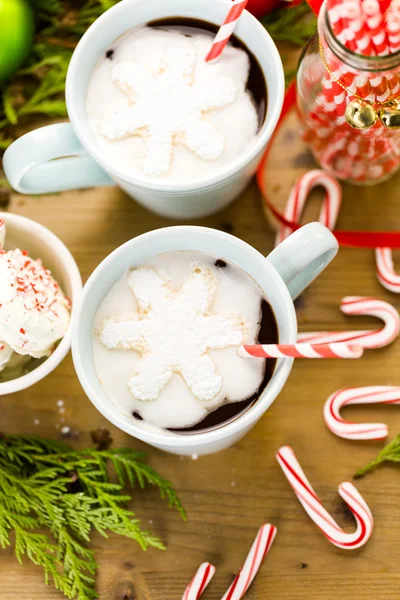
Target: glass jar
330	77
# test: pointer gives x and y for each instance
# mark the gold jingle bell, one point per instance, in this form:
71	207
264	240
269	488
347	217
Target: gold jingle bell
360	114
389	114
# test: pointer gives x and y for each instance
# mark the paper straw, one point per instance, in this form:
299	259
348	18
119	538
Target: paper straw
226	29
339	350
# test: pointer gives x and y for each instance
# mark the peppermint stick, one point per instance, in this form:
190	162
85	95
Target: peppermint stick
259	550
385	270
359	305
331	203
299	195
313	507
199	582
380	394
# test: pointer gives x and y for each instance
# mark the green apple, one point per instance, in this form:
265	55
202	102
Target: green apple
16	35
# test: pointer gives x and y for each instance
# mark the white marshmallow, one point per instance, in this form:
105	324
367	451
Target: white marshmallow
158	109
185	328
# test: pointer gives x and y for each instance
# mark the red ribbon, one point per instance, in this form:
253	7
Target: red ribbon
315	5
353	239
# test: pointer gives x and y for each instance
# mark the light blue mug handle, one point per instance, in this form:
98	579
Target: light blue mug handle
303	255
30	166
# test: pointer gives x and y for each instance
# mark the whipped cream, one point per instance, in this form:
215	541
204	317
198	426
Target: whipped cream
157	108
34	313
166	336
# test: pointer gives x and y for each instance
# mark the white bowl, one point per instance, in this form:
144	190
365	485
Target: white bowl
42	243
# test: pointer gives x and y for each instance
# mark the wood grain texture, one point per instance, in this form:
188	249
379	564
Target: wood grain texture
229	495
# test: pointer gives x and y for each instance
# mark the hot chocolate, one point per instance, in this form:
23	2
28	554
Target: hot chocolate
166	337
159	110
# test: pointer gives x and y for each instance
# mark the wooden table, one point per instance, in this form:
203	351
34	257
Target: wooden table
230	494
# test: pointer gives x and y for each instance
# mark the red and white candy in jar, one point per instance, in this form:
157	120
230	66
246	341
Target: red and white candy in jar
349	90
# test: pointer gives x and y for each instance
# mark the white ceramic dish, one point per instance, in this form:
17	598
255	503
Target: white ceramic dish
282	276
42	243
28	162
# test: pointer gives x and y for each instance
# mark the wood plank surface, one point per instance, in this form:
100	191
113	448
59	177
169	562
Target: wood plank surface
230	494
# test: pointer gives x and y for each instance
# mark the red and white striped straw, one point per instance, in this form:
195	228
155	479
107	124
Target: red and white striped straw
380	394
300	351
313	506
361	26
359	305
259	550
199	582
384	5
226	29
385	271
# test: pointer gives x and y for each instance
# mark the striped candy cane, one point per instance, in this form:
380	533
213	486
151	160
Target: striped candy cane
313	507
358	305
259	550
199	582
385	272
393	28
226	29
298	197
300	351
380	394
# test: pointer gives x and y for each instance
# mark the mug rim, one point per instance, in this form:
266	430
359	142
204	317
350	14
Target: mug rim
227	173
73	274
161	437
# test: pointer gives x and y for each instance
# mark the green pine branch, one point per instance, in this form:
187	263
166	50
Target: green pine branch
38	88
70	494
391	453
294	24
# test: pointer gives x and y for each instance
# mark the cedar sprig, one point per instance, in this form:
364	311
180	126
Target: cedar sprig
293	24
390	453
38	88
69	494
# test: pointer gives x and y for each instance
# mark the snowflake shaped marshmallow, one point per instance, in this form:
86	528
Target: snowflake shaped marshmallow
168	107
173	331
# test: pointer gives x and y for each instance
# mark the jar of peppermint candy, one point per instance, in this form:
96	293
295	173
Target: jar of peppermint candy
349	90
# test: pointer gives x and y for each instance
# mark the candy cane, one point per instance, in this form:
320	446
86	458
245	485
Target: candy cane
382	394
298	197
259	550
313	507
385	272
300	351
226	29
330	210
358	305
199	582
